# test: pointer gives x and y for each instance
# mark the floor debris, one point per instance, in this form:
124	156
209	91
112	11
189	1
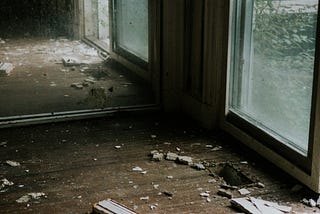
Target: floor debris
117	147
70	61
258	206
111	207
77	85
204	194
158	156
31	196
217	148
137	169
145	198
13	163
260	185
225	193
171	156
6	68
153	206
244	191
199	166
5	183
4	143
186	160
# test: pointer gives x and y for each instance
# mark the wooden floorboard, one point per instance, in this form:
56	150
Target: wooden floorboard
76	165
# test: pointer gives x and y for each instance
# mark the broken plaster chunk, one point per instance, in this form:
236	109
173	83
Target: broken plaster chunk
70	61
318	202
6	68
312	203
169	177
29	196
199	166
5	182
185	160
137	169
145	198
260	185
77	85
4	143
244	191
217	148
154	152
204	194
158	157
117	147
13	163
225	193
305	201
171	156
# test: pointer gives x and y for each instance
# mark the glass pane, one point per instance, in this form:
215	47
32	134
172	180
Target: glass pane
273	67
91	17
132	27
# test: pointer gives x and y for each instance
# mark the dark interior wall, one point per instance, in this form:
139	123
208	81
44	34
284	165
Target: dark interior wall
46	18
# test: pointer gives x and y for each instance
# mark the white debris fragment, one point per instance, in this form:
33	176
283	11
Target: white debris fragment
217	148
158	156
169	177
137	169
154	152
143	172
70	61
53	84
312	203
5	182
23	199
90	80
185	160
244	191
145	198
153	206
244	162
254	205
77	85
318	202
260	185
199	166
178	149
153	136
2	41
156	186
208	199
4	143
29	196
6	68
212	181
209	146
117	147
13	163
204	194
171	156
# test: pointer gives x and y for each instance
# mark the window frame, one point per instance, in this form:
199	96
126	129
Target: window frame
304	168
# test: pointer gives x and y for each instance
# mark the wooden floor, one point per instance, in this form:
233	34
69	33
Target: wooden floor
41	83
76	165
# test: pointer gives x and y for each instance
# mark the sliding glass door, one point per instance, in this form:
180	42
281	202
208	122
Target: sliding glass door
131	30
271	81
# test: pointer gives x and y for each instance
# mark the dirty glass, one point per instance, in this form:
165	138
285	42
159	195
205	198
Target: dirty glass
96	19
273	66
132	27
